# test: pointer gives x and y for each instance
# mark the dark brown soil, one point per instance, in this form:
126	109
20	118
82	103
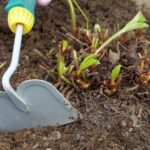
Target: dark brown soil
118	122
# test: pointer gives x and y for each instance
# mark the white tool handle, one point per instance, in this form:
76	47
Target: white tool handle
17	100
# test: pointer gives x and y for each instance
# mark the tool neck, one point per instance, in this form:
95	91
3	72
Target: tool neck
18	101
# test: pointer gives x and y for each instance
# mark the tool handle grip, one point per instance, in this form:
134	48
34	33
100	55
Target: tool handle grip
27	4
21	12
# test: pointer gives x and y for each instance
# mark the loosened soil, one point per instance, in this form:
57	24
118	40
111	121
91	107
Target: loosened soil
117	122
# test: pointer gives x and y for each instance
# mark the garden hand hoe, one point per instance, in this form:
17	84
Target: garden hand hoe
35	103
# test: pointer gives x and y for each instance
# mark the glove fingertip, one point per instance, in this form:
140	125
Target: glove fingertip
44	2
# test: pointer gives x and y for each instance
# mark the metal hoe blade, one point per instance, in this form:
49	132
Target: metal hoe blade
36	103
46	107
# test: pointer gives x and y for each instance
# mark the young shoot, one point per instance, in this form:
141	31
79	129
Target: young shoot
145	77
95	43
73	14
64	45
105	35
138	22
144	69
115	73
112	83
61	68
75	58
87	62
97	28
82	13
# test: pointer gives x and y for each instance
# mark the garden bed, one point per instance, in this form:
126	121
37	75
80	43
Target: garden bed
120	121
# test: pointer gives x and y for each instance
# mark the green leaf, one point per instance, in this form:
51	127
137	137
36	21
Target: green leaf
75	57
64	45
82	13
65	79
70	68
61	65
95	42
115	73
73	14
87	58
88	62
61	68
137	25
59	58
138	22
138	18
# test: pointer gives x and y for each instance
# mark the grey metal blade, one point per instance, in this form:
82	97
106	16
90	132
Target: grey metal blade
47	107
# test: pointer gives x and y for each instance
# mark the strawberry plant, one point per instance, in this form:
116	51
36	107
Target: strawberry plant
75	65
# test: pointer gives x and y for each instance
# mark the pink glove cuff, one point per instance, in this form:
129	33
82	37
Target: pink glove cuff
44	2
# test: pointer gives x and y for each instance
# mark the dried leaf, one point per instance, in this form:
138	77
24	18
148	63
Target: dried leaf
83	84
113	57
3	64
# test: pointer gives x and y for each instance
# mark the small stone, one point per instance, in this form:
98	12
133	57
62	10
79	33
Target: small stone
123	123
77	137
44	138
65	146
35	146
55	135
82	138
131	129
100	139
108	126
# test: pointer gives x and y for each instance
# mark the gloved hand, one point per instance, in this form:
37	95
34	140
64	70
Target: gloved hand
44	2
